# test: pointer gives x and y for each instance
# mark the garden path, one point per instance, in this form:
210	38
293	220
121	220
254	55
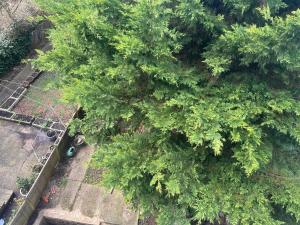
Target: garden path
80	202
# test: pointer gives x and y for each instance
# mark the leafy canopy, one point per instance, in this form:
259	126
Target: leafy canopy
194	104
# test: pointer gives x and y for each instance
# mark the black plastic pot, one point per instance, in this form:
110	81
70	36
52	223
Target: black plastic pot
51	134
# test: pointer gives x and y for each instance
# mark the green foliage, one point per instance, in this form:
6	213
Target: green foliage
25	183
266	47
194	104
14	45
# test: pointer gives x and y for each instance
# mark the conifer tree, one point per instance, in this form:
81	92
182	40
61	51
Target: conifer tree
193	104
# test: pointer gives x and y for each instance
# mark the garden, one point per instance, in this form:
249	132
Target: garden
42	100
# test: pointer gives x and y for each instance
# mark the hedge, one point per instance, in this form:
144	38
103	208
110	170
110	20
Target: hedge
14	45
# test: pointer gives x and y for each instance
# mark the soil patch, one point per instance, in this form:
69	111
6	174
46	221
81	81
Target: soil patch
45	102
147	221
93	175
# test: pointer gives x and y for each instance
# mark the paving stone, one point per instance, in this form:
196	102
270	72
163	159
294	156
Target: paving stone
8	103
130	217
113	210
111	207
88	200
69	195
82	203
80	164
67	218
16	152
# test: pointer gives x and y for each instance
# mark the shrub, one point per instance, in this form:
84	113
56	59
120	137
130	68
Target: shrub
14	45
25	183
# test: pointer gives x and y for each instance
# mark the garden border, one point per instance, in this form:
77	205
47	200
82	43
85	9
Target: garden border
31	120
33	198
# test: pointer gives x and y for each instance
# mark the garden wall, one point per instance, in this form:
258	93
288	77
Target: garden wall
39	34
35	193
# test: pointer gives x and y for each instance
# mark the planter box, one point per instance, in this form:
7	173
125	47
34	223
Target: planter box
29	79
58	126
42	123
36	74
24	119
20	91
6	114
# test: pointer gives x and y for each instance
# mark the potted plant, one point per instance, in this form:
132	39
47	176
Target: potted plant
24	184
37	168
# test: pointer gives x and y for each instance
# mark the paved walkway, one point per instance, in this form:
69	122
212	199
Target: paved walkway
16	77
85	203
17	156
14	81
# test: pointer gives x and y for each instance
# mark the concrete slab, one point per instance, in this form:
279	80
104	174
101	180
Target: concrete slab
111	207
130	217
80	163
20	144
88	199
69	195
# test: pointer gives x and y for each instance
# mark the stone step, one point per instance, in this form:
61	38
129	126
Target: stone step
69	195
55	216
96	202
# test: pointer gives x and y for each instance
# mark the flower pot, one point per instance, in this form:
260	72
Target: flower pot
78	140
51	134
37	168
